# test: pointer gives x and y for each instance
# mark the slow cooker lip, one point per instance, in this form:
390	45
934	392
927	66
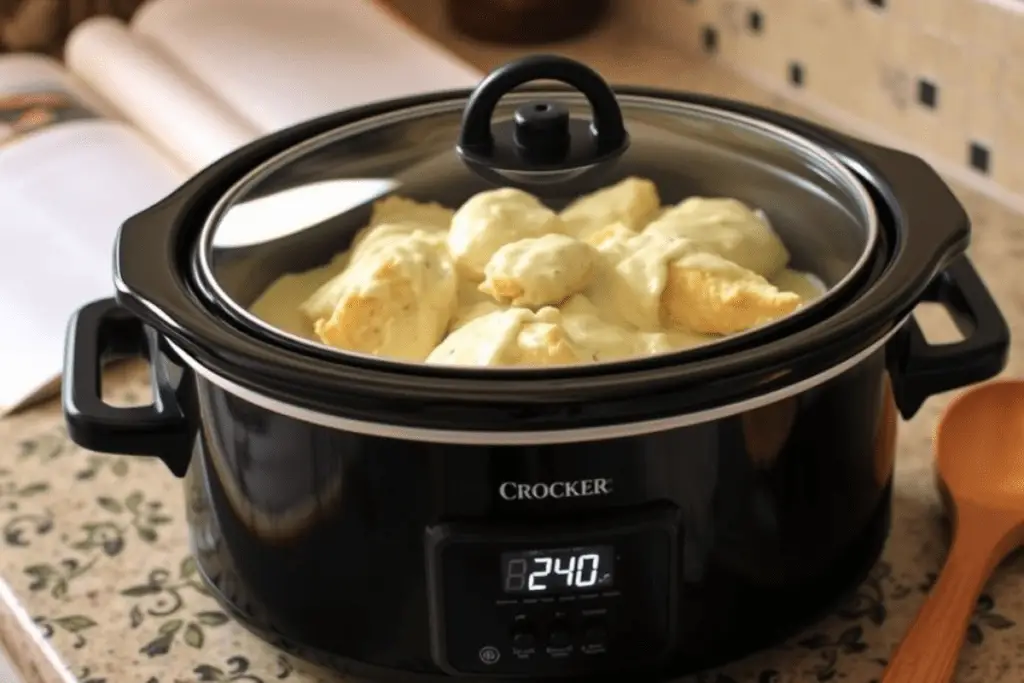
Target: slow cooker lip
636	408
210	289
152	287
459	434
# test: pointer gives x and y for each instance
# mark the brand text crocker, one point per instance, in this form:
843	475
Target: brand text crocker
578	488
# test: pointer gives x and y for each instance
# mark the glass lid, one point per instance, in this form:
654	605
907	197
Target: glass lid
536	227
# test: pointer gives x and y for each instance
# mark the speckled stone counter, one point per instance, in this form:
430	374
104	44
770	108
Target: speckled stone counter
96	584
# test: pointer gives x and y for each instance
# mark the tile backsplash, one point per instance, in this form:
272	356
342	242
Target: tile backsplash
941	78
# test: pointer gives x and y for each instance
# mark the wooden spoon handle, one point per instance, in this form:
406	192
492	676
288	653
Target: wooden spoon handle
930	650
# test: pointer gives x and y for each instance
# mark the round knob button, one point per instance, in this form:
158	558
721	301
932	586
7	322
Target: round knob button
595	634
559	635
522	635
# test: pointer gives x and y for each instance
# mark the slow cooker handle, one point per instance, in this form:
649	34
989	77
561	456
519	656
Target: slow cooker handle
102	330
919	369
542	144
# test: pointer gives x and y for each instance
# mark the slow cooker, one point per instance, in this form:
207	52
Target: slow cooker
402	521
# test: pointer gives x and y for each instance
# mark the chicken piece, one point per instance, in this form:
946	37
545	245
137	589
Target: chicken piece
472	304
469	293
707	294
607	341
490	220
612	242
632	202
397	215
633	273
538	271
470	312
604	340
396	302
396	209
726	227
509	338
377	236
381	238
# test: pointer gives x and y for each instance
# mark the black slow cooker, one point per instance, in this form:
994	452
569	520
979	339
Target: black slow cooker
411	522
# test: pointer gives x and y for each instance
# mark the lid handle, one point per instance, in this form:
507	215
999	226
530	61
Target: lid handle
542	143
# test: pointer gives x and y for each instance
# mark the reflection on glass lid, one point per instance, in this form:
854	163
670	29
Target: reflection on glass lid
378	242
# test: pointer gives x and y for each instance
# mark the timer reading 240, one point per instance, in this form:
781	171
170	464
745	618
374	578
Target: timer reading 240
563	570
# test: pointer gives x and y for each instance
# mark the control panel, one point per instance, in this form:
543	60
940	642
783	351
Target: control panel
562	601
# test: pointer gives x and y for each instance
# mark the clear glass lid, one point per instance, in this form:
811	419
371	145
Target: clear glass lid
536	228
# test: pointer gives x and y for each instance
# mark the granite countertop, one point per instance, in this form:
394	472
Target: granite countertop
96	584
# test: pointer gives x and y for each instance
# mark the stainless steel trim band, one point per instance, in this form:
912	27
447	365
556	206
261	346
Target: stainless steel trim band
534	438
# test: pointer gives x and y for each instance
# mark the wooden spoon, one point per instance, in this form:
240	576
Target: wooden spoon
980	459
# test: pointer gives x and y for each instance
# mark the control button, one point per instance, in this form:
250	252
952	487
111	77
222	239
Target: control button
522	640
595	633
522	635
558	634
489	655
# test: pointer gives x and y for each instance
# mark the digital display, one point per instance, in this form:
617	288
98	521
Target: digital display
561	570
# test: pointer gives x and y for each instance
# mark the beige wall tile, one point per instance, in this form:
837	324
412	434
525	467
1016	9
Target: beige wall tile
769	53
980	23
935	60
678	23
1007	102
868	63
981	119
998	25
934	16
888	100
1008	152
902	10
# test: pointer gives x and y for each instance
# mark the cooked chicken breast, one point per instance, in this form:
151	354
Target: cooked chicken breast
726	227
612	241
538	271
395	302
633	273
397	215
707	294
470	312
490	220
507	338
606	341
377	238
396	209
632	202
504	281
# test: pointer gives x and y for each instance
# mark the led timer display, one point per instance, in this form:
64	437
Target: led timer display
562	570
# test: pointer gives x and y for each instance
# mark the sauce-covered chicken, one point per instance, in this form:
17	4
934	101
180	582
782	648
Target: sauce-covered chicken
726	227
705	293
632	202
504	281
395	301
508	338
492	219
538	271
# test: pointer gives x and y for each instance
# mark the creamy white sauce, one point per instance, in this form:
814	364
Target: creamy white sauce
504	281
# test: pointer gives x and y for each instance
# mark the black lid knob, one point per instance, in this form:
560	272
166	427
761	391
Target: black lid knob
542	132
542	144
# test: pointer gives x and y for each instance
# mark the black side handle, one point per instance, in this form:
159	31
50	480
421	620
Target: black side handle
104	330
919	369
542	144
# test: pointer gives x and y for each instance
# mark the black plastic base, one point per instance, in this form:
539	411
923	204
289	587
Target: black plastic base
791	612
